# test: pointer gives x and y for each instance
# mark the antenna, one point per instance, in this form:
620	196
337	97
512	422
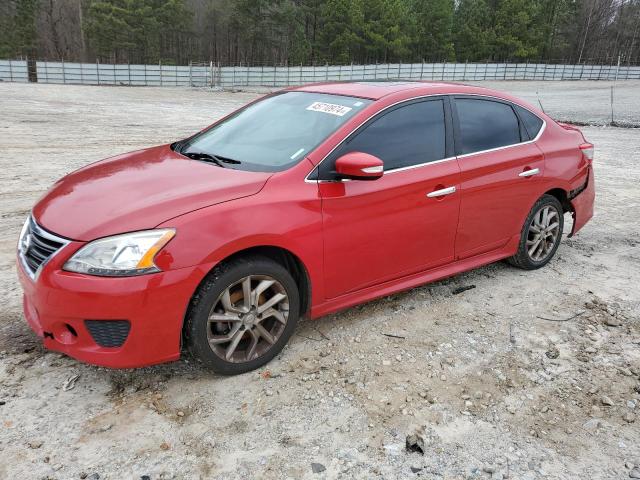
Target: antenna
539	102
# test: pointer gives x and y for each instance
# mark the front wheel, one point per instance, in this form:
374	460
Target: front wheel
242	315
541	234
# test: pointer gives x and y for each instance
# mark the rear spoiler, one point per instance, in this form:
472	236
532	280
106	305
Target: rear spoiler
573	128
568	126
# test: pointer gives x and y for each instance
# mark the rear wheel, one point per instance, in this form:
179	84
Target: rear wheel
541	234
242	315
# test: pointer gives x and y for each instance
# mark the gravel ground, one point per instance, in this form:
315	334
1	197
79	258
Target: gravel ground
582	102
528	375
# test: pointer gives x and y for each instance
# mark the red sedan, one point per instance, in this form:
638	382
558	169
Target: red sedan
305	202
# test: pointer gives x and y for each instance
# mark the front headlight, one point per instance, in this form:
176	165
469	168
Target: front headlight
121	255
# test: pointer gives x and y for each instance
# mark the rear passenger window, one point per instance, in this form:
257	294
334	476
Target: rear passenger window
408	135
531	122
485	124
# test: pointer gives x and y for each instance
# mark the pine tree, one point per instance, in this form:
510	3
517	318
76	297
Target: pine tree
433	33
517	35
18	28
342	26
473	33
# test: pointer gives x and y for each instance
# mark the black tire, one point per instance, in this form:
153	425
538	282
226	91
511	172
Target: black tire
208	295
522	259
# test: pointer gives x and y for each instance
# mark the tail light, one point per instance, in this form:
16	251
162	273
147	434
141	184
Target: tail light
587	150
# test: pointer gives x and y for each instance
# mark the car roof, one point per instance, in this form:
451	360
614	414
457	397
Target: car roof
376	90
405	89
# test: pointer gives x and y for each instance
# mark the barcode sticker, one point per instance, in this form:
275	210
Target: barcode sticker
330	108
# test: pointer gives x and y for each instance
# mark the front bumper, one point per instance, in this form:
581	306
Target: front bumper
58	303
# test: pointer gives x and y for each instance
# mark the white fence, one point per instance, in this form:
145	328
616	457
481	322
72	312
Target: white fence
283	76
211	75
13	71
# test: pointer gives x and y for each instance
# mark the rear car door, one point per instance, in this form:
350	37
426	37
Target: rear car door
501	172
375	231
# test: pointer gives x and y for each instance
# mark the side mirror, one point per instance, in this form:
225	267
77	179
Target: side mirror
359	166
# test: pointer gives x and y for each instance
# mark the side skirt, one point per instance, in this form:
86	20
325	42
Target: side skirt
417	279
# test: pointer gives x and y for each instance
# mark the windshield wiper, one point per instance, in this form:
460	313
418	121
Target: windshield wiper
209	157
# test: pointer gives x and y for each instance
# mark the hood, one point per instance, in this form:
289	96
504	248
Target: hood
137	191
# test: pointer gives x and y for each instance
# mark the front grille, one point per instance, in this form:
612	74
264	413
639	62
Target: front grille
36	246
108	333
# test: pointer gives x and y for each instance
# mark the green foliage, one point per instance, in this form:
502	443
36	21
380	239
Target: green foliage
433	39
318	31
386	30
473	33
18	28
342	30
135	30
516	32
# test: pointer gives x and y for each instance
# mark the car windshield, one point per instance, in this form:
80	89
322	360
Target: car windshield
275	133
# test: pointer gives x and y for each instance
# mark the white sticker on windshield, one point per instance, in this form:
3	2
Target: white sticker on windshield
331	108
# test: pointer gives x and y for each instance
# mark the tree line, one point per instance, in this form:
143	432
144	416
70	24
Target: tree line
296	32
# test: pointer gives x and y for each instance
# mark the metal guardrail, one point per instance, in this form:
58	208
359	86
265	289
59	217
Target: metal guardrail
211	75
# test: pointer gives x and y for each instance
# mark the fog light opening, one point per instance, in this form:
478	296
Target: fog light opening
72	330
64	333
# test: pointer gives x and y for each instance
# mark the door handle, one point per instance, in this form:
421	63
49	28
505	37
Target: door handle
441	192
530	172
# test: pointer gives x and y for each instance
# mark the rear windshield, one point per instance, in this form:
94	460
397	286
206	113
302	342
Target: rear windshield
277	132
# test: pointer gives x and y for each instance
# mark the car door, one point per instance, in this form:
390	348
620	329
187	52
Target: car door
501	173
375	231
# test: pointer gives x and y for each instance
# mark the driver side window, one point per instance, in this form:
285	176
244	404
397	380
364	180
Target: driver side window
404	136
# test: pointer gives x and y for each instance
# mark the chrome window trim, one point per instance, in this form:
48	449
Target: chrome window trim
418	165
479	152
410	167
49	236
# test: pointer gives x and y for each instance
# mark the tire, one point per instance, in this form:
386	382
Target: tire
219	316
549	242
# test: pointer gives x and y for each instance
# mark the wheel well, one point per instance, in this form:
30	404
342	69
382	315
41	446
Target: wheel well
289	261
561	195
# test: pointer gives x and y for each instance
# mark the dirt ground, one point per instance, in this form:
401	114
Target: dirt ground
529	375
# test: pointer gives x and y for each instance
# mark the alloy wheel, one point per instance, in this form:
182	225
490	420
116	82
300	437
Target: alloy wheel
543	234
248	318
